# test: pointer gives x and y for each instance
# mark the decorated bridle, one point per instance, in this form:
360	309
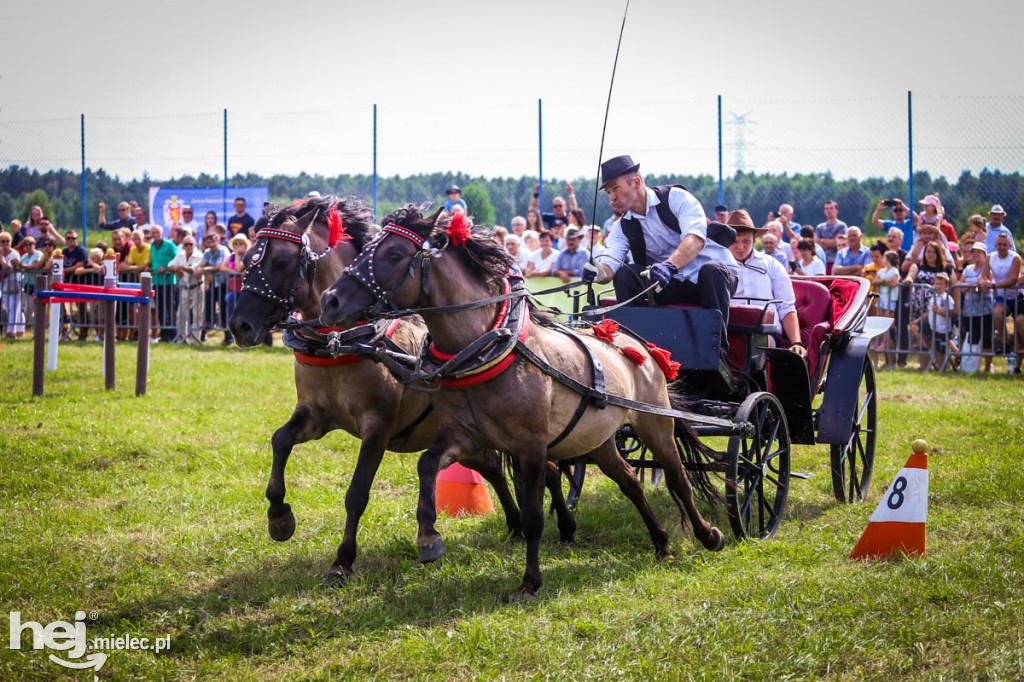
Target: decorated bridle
458	232
361	269
306	270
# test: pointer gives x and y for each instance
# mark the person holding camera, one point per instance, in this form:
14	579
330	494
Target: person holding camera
901	217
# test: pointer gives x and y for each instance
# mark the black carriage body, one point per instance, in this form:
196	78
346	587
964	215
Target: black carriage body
774	387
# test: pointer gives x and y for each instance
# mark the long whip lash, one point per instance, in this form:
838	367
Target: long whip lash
604	127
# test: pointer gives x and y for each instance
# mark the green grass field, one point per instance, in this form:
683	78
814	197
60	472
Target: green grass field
149	513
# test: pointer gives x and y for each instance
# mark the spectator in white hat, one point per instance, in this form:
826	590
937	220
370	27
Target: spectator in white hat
995	227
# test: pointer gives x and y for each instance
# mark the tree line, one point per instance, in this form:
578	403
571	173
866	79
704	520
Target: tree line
496	200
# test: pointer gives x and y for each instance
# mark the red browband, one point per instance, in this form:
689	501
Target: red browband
273	233
404	232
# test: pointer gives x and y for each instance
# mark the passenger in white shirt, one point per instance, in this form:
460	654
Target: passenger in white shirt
762	278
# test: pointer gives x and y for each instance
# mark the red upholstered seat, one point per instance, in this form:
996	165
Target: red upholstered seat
814	310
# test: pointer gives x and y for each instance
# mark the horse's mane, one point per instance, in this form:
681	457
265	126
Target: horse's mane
480	249
356	216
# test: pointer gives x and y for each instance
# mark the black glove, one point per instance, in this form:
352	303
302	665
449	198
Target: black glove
662	273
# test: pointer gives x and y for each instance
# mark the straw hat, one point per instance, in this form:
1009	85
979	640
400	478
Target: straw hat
240	238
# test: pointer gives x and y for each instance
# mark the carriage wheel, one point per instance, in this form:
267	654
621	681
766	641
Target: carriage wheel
757	482
853	462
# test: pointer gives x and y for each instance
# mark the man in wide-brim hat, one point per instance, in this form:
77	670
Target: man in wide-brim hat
666	231
762	278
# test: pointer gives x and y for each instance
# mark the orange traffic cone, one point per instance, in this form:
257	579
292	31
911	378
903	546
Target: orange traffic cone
898	524
462	491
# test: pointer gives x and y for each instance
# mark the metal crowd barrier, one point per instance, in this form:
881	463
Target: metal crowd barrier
983	328
207	308
980	331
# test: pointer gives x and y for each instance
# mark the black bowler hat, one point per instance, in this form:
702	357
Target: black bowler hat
613	168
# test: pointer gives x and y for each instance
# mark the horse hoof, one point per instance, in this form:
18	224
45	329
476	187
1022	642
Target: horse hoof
522	596
567	542
516	536
431	551
283	527
665	556
336	577
716	540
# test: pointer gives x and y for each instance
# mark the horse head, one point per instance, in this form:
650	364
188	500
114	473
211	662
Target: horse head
407	264
297	252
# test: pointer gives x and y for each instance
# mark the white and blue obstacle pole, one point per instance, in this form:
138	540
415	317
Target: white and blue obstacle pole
51	351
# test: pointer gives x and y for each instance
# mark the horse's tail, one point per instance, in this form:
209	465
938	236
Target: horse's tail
513	472
697	458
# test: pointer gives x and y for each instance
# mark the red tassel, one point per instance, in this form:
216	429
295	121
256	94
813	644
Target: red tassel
459	230
669	367
606	330
337	232
635	356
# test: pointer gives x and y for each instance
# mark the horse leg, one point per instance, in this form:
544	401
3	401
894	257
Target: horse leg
657	434
566	521
371	451
616	468
534	473
300	427
428	541
488	464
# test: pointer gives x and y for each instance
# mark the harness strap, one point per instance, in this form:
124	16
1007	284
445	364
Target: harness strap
413	425
332	346
598	370
618	401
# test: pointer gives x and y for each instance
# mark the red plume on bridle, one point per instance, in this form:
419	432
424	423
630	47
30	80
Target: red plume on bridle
337	232
458	230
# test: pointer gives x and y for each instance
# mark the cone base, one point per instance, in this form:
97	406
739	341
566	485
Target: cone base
882	539
459	499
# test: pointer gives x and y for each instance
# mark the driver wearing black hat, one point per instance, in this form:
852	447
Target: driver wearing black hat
665	229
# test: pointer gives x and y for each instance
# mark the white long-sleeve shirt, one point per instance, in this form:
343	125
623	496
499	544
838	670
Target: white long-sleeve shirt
661	242
762	278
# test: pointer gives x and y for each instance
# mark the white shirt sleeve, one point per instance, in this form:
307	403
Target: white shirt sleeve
616	246
689	212
782	288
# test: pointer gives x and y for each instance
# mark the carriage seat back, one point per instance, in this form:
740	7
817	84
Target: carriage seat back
814	311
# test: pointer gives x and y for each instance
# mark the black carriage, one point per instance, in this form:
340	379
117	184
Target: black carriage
751	404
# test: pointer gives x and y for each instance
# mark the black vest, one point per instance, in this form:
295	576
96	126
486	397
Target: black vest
722	234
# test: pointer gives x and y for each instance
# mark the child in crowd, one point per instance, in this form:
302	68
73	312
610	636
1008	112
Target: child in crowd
887	281
977	306
935	324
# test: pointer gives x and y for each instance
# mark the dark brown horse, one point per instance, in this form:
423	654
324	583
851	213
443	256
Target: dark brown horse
522	410
287	269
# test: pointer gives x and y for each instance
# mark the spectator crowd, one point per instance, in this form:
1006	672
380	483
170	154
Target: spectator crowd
954	298
196	268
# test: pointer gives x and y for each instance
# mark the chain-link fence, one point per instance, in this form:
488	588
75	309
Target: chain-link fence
749	153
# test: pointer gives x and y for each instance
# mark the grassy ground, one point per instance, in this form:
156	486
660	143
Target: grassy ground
150	513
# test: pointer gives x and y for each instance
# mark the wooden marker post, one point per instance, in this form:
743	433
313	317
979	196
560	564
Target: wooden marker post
39	338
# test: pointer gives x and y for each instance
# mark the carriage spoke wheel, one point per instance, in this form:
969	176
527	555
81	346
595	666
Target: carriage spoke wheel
757	482
853	462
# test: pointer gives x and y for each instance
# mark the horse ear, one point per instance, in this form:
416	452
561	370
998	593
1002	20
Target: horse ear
433	217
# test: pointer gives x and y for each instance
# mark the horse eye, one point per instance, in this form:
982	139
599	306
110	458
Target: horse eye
394	256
